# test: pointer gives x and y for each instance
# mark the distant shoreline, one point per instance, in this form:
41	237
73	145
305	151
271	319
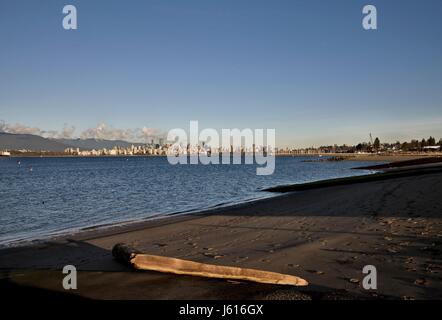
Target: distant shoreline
345	156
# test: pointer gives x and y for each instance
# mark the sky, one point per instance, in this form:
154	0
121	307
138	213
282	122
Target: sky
305	68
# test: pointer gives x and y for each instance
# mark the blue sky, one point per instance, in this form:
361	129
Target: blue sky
306	68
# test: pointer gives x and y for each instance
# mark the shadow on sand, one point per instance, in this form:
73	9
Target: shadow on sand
33	273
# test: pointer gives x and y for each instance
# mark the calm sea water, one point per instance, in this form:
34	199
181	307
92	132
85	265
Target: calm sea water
45	196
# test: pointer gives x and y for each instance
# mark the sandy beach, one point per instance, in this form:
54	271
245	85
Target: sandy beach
325	234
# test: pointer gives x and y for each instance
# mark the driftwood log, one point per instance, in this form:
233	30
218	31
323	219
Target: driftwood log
141	261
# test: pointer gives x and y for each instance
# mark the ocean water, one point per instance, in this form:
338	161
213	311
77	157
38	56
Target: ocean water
40	197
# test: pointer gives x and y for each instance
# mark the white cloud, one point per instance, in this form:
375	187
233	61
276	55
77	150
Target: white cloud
18	128
103	131
67	131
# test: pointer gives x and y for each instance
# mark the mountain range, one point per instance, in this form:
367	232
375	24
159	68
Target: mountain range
11	141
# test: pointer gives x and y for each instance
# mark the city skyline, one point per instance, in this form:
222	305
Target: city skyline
307	69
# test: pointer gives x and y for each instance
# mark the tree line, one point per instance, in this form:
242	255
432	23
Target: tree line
413	145
377	145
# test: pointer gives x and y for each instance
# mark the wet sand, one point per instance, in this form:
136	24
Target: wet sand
325	235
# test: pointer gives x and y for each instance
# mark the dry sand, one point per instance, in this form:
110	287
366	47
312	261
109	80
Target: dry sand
325	235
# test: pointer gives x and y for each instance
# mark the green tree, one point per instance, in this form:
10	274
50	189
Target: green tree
431	141
376	143
414	144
